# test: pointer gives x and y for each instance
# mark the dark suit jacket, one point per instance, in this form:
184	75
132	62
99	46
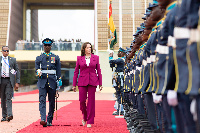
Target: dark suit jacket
88	75
13	65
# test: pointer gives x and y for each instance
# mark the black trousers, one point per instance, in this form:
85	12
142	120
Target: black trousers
6	97
42	105
148	100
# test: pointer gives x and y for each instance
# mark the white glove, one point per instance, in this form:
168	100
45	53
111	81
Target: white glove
157	98
172	98
39	72
193	109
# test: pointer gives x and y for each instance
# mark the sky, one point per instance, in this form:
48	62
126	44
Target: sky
66	24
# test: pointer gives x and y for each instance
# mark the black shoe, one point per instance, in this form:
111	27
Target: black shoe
10	118
3	119
122	113
43	123
115	113
49	124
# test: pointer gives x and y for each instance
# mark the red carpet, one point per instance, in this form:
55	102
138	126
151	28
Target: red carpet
69	121
26	93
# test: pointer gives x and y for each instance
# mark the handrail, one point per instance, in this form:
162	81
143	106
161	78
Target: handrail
56	46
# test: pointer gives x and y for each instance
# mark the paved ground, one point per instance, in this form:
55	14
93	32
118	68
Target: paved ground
26	108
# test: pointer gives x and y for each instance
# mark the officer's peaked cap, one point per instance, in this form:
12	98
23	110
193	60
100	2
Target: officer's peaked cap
47	41
121	50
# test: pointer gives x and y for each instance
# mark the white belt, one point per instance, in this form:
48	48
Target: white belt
131	72
120	73
153	58
181	33
148	60
49	71
162	49
194	35
138	68
172	41
144	62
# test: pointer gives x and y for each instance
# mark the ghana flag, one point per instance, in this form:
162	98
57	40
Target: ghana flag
112	30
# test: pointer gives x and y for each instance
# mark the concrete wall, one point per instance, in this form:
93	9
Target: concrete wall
34	25
4	11
16	23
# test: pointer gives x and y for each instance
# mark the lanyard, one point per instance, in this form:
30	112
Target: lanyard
6	62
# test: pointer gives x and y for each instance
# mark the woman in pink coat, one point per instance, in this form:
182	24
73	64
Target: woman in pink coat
88	63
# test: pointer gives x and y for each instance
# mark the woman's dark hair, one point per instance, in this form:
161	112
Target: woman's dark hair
84	45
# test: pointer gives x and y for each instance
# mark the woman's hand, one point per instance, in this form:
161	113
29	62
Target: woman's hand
100	87
74	88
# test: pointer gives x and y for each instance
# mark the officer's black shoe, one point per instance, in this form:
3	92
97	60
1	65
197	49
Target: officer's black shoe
3	119
10	118
115	113
49	124
122	113
43	123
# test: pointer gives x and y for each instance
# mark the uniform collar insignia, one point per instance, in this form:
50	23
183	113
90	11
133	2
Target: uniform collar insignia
170	7
47	54
159	23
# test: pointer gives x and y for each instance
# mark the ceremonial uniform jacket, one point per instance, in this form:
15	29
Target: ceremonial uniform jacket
51	62
181	64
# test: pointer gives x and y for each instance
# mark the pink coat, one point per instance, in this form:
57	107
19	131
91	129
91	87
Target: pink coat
88	75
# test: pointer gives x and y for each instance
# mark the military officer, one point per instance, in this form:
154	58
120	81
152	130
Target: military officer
128	78
48	69
193	51
181	34
119	65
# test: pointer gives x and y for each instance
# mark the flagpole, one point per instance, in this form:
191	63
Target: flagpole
96	30
9	17
145	5
108	19
120	23
133	8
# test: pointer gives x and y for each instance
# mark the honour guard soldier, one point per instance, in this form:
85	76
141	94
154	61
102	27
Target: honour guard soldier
48	69
182	65
193	51
119	65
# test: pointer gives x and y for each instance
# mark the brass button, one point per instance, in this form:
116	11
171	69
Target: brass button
48	83
47	65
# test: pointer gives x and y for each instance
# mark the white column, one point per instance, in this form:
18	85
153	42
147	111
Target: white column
9	16
108	20
133	16
120	23
96	29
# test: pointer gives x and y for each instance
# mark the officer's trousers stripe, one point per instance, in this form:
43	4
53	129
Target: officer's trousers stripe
150	79
157	77
189	71
166	75
140	86
143	77
153	79
176	70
